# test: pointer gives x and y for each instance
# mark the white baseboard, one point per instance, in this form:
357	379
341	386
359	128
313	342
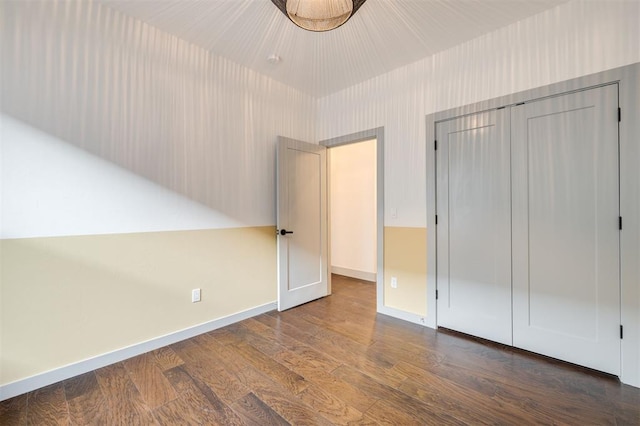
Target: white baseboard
353	273
406	316
53	376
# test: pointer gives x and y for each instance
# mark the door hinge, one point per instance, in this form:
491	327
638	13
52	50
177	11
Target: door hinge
621	331
436	219
619	114
436	294
620	223
435	145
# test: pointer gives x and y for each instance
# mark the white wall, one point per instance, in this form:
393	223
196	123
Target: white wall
162	108
572	40
51	188
353	209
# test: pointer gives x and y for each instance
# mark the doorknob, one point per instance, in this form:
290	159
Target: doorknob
284	232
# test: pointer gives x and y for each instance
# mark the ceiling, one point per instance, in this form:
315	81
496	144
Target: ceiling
383	35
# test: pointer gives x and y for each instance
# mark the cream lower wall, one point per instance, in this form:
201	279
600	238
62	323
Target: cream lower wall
405	257
66	299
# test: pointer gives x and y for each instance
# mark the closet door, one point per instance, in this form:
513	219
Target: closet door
474	225
566	283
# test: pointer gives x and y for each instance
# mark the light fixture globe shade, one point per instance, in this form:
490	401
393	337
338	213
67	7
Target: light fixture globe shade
319	15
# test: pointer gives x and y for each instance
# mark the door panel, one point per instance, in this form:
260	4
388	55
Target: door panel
301	204
474	226
566	300
305	249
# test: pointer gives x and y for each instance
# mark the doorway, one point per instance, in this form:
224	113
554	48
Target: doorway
357	254
352	210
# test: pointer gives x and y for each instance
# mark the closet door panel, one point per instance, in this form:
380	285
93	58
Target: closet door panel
473	231
566	285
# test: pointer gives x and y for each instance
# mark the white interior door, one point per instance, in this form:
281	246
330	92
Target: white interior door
474	225
301	222
566	284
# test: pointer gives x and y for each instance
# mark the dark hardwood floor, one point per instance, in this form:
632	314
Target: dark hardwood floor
332	361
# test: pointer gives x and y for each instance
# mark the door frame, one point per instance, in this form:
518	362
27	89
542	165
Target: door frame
628	79
365	135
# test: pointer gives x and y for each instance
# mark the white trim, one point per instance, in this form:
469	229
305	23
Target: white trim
353	273
53	376
404	315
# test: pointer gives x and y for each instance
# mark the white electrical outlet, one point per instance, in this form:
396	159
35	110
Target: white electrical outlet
394	282
195	295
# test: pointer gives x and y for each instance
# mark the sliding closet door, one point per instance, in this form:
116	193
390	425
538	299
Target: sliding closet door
474	225
566	283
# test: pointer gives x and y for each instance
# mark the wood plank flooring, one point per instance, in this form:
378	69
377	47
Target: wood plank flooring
332	361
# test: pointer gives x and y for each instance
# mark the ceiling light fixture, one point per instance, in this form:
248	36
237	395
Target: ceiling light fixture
318	15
